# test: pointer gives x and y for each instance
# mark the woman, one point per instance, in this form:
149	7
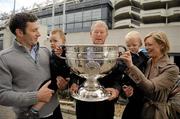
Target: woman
159	78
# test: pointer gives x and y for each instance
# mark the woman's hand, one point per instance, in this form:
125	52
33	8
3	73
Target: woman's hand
127	58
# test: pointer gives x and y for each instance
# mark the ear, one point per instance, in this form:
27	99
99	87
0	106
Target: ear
162	47
19	32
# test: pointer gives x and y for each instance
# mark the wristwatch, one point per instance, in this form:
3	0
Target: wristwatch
33	114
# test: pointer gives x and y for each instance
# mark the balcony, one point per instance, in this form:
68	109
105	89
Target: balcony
153	4
173	14
174	24
127	23
121	3
154	16
152	25
127	12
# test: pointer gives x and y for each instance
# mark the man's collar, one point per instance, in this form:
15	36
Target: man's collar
35	47
18	45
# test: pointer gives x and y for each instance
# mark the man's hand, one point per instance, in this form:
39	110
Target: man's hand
61	82
44	94
114	93
74	88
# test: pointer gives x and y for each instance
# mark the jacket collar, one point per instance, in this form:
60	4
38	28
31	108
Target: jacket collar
163	61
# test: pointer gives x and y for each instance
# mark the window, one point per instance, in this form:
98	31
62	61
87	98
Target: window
87	15
96	14
61	19
70	18
61	26
78	17
86	24
49	21
105	13
78	25
43	21
70	26
56	20
56	26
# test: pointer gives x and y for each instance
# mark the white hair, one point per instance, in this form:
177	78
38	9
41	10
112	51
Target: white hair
133	35
99	22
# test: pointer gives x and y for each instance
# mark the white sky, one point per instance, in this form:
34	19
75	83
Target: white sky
7	5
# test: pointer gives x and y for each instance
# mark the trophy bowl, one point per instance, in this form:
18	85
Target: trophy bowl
92	62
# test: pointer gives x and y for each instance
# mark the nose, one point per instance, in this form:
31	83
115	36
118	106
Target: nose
38	34
130	47
146	47
98	33
52	43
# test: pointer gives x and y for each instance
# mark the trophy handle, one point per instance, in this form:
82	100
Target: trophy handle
122	49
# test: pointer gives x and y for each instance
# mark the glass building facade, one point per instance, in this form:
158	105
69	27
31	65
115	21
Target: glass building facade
79	16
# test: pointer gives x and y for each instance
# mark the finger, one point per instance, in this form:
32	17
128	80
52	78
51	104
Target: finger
58	81
57	48
46	84
111	97
72	91
62	86
52	91
108	90
124	86
62	83
75	91
59	77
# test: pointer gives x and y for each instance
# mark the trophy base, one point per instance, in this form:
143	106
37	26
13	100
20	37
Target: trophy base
91	95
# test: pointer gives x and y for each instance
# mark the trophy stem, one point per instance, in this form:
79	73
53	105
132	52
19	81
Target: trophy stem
91	91
91	84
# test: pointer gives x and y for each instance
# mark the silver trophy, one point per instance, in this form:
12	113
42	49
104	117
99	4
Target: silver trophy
92	62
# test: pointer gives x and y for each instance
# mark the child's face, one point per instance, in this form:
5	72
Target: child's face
56	41
133	45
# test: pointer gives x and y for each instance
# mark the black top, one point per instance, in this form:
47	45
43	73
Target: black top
135	104
58	67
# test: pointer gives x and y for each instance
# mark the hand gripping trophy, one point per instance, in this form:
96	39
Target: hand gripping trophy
92	62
